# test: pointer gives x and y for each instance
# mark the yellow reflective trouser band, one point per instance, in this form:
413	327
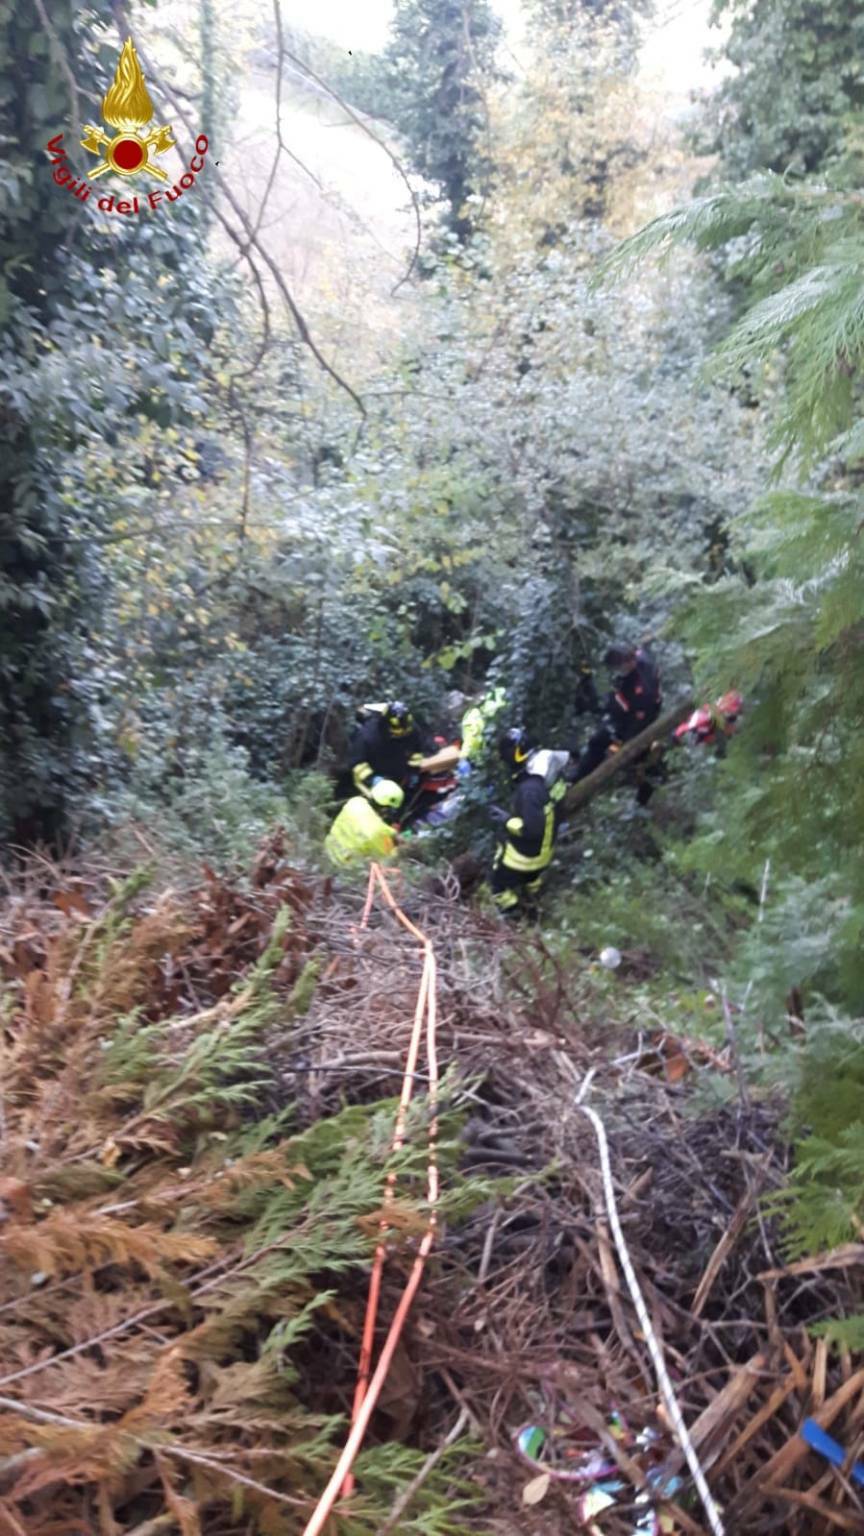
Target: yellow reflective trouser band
363	776
512	859
506	899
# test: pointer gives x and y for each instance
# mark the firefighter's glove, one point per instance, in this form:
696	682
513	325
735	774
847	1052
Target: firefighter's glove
363	778
497	815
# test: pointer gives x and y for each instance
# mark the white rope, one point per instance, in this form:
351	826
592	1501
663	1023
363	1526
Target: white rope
665	1385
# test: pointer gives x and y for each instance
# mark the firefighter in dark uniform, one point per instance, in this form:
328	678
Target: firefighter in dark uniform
387	746
528	842
634	703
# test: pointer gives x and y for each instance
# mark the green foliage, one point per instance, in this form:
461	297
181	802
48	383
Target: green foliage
246	606
790	635
798	252
784	619
823	1204
40	573
204	803
845	1331
794	85
437	64
75	410
644	903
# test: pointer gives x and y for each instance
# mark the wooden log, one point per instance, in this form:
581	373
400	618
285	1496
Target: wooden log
721	1253
579	794
766	1412
848	1256
717	1419
775	1472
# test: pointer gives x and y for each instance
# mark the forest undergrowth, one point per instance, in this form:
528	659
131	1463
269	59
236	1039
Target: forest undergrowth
197	1112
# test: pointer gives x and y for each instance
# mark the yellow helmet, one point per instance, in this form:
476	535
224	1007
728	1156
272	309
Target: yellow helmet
398	719
387	793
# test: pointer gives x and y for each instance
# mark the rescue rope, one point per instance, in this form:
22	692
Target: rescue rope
368	1388
666	1389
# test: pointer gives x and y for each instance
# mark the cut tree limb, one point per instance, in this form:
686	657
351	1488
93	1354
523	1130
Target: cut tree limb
722	1252
579	794
775	1473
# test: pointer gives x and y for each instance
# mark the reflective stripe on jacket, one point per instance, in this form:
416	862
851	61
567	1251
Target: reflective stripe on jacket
359	833
636	701
531	827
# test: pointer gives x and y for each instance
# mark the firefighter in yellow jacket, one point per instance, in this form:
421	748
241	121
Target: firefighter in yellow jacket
360	831
476	721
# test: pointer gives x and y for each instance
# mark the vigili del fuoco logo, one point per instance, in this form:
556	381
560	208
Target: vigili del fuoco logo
130	149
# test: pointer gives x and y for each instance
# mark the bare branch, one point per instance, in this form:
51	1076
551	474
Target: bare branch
394	159
251	240
281	146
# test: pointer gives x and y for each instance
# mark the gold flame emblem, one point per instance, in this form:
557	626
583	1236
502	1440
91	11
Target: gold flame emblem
127	108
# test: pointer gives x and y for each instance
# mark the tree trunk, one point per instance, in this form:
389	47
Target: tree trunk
579	794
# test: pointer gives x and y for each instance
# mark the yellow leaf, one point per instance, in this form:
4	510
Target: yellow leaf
537	1489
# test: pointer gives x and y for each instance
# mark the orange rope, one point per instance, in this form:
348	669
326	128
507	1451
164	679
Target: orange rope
368	1390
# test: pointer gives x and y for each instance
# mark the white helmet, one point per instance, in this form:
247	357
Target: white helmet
387	793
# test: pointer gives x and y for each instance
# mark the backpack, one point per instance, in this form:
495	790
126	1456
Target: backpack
368	711
549	766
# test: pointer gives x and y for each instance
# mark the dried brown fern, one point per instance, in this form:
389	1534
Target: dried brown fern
162	1245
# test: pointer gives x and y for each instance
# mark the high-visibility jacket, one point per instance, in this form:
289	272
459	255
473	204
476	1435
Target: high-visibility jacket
359	833
531	826
476	720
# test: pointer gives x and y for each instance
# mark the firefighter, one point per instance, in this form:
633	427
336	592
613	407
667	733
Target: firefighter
713	723
634	703
360	831
476	722
529	831
387	746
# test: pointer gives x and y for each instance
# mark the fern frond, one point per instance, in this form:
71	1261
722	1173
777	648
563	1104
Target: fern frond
848	1332
63	1243
829	294
707	223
